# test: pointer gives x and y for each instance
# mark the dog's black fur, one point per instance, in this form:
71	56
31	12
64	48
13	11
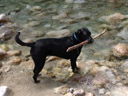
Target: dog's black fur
55	47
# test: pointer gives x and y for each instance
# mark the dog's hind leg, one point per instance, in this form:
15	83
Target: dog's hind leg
39	64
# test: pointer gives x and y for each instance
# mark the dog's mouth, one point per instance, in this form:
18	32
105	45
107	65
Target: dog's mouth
90	40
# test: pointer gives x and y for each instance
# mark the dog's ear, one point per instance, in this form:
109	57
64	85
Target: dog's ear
79	32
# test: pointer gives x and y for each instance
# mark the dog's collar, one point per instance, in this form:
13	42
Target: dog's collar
74	35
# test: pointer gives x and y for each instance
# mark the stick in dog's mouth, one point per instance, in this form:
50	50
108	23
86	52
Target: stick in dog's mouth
84	42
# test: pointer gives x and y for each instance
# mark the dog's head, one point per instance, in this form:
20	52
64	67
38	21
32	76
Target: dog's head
83	34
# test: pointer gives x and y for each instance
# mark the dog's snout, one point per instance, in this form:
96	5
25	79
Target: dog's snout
90	40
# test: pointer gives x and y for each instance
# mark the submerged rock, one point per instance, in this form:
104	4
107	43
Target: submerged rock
59	33
113	19
120	50
89	94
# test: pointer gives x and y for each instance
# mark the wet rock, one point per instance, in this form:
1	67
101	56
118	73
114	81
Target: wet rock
89	94
3	18
59	33
113	19
14	60
124	33
7	34
119	91
2	53
124	66
62	89
120	50
60	16
4	47
13	52
5	91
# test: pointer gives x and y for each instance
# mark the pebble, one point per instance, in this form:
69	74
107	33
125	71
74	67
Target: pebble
14	60
4	91
13	52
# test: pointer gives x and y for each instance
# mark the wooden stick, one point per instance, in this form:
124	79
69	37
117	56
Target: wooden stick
84	42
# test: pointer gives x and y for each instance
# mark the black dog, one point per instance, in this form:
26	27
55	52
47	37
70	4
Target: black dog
56	47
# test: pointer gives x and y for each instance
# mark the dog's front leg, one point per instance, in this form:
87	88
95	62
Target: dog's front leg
73	65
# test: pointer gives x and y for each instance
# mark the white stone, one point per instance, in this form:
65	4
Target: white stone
4	91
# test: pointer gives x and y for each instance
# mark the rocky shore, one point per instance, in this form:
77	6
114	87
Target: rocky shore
103	65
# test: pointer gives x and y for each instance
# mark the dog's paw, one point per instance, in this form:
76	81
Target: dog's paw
37	81
76	70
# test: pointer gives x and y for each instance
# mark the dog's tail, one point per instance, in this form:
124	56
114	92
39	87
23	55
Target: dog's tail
17	39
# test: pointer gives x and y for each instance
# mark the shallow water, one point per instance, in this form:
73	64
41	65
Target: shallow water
20	12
